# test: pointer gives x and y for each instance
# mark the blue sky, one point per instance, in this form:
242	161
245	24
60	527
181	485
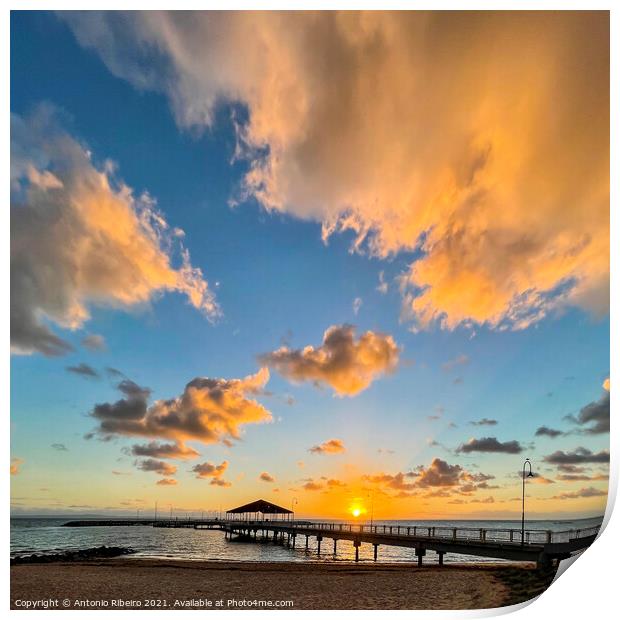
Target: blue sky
278	284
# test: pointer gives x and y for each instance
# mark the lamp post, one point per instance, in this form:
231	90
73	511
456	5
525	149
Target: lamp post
372	506
526	465
293	502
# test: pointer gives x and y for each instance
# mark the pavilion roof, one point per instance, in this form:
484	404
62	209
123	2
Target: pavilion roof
260	505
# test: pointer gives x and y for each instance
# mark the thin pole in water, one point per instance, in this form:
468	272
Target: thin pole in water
530	475
295	501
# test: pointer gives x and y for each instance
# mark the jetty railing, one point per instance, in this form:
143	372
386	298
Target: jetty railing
425	532
467	534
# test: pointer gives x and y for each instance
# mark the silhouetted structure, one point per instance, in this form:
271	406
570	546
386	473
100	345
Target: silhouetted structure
539	546
253	510
263	521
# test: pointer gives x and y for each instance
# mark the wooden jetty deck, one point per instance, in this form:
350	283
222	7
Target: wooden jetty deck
542	547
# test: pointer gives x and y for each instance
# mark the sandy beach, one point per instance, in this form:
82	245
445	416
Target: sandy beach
124	583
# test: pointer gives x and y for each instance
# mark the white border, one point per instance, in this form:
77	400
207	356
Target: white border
588	588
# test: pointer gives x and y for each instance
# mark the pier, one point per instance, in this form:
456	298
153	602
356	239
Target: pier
542	547
250	523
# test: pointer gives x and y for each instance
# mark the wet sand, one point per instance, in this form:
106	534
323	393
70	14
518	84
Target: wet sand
124	583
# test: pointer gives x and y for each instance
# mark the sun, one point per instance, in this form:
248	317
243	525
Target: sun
356	507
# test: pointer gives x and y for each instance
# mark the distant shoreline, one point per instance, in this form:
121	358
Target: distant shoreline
135	583
103	517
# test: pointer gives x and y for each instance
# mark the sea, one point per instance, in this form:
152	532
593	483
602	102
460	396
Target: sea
47	535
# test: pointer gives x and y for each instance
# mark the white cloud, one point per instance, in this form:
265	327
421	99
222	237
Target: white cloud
382	287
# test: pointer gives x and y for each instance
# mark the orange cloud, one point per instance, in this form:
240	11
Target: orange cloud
439	479
213	472
166	482
480	139
266	477
80	237
331	446
311	485
335	483
538	479
440	474
397	481
208	410
16	462
349	367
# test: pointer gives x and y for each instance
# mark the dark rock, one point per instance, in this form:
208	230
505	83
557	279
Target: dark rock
69	556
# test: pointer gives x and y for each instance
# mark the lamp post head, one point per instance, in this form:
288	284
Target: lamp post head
527	467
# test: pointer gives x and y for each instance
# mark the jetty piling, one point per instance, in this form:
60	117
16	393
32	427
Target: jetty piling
542	547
